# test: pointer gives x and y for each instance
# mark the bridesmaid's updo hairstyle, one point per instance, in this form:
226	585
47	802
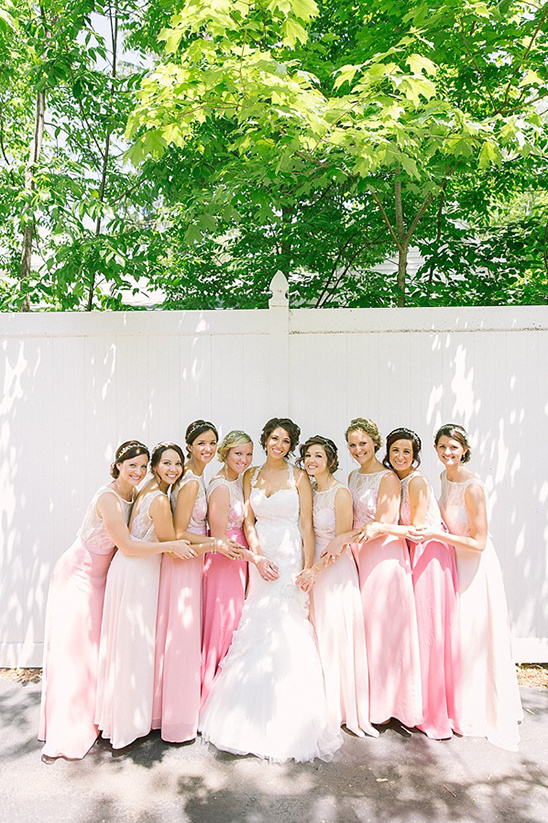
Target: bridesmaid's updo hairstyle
403	434
162	447
456	432
127	450
229	441
196	428
329	447
287	425
367	427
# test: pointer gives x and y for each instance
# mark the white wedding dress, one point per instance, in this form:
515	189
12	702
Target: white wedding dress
268	698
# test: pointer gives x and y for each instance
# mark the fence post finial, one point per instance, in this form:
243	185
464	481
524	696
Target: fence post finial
279	288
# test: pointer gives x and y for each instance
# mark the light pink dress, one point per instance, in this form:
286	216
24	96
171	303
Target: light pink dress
71	646
179	633
337	616
389	610
126	652
434	571
491	705
224	585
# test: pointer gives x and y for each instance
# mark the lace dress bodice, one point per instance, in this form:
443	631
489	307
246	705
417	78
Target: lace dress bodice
198	518
92	532
452	505
279	532
324	517
364	489
433	516
236	504
142	527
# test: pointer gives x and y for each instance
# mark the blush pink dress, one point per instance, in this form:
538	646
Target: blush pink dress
491	705
223	591
390	617
71	646
337	616
434	571
176	702
126	652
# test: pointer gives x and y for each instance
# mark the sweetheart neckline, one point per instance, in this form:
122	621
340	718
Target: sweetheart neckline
268	496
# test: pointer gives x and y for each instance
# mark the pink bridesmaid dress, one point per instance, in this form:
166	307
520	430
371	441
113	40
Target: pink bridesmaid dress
223	593
337	616
176	702
434	572
126	652
389	610
73	628
491	705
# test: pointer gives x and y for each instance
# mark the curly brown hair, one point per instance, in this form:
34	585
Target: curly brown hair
329	447
287	425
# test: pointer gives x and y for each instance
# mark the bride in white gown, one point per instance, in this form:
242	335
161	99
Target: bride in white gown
269	698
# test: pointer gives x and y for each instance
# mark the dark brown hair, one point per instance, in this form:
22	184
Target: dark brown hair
329	447
287	425
127	450
162	447
458	433
403	434
198	427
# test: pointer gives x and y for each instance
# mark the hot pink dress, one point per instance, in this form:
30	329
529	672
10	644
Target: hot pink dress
223	591
126	652
434	571
389	610
337	616
179	634
71	646
491	705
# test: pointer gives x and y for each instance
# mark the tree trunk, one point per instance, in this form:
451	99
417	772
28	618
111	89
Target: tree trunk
402	273
113	20
30	224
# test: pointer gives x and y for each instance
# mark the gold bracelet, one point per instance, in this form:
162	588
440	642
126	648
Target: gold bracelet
213	548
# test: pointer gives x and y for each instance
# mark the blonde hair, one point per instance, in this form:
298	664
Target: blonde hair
229	441
367	427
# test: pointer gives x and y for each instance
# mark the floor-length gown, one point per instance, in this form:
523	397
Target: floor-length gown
268	698
491	705
71	646
126	652
434	572
176	702
336	613
223	593
389	611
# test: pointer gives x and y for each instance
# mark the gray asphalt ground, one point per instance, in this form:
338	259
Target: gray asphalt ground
401	776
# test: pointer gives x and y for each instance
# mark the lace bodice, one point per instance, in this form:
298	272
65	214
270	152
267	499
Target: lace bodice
198	518
236	502
279	531
433	516
92	532
143	527
452	505
324	512
364	489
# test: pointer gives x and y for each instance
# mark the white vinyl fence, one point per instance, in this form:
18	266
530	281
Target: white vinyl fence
75	385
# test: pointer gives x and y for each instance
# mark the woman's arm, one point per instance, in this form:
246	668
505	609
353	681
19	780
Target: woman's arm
266	568
217	515
183	512
110	511
343	524
305	515
476	507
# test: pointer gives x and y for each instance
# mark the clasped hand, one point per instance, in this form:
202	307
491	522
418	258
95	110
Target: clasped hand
266	568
